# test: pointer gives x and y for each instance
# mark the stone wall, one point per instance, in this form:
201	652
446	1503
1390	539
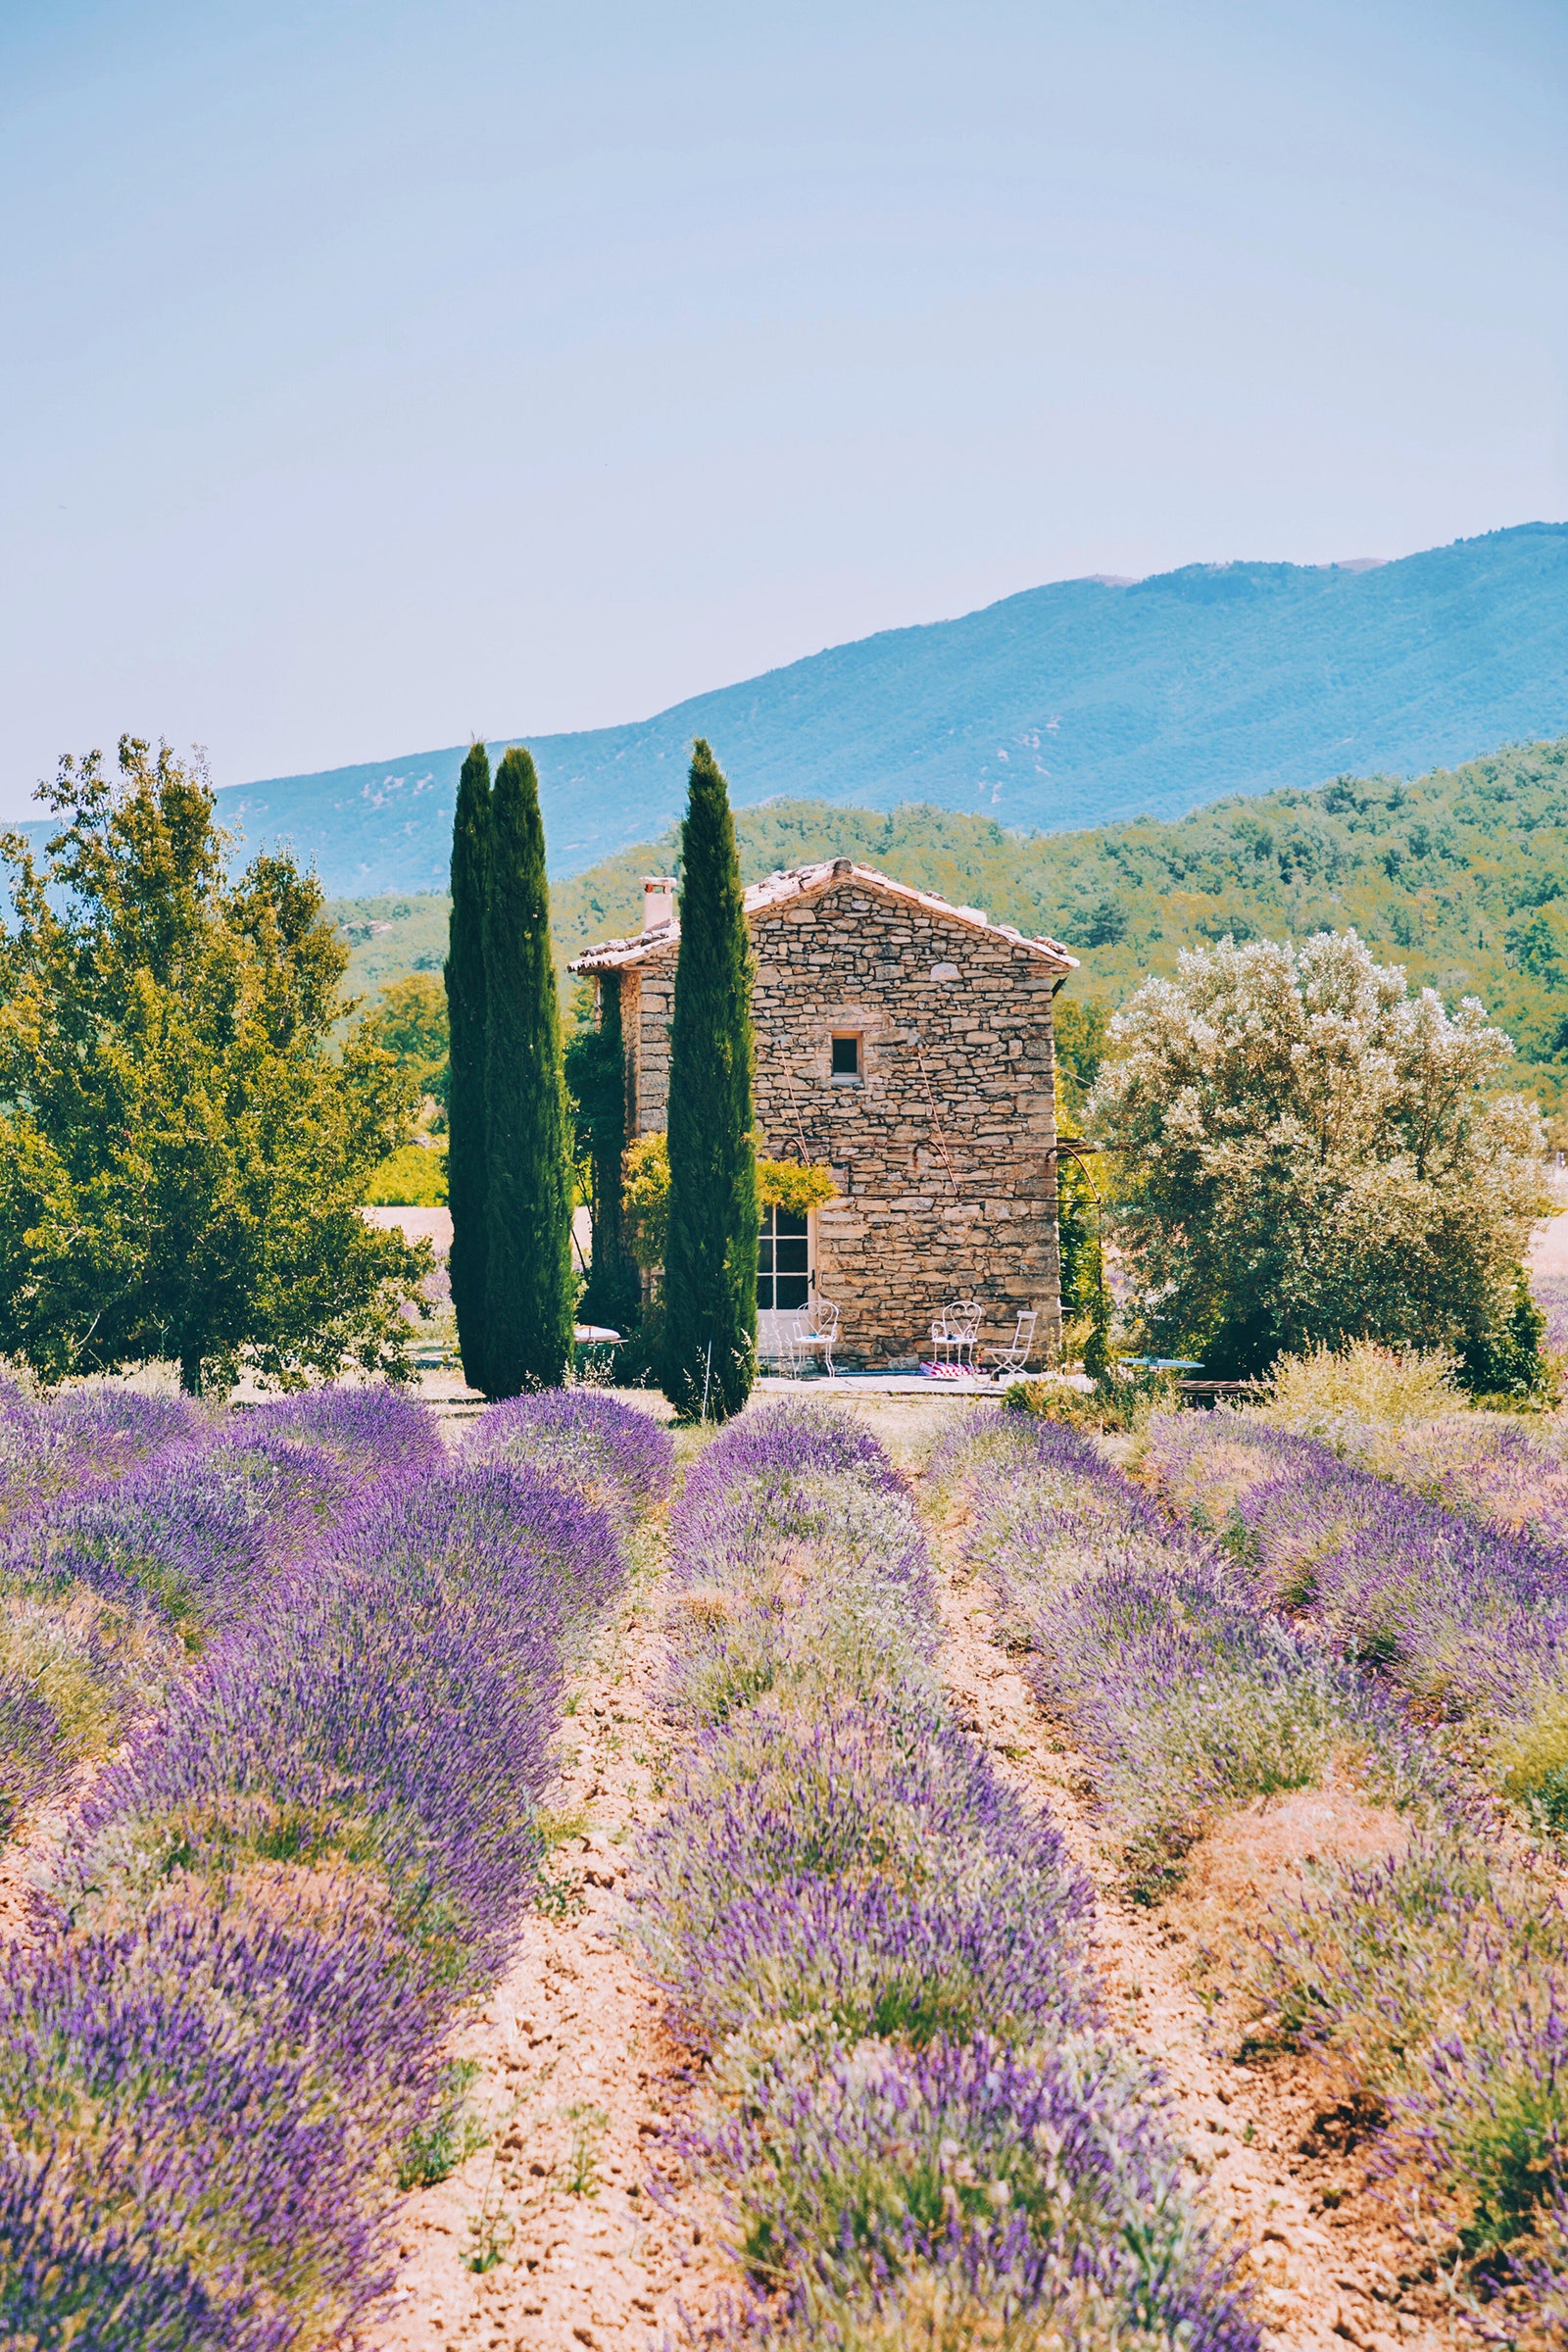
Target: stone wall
940	1149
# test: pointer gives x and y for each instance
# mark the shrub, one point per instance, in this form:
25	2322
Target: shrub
414	1177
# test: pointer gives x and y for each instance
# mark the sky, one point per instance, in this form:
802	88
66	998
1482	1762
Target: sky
375	373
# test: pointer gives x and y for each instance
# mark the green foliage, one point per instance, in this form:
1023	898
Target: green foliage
467	1165
1060	706
596	1080
183	1158
1307	1155
412	1177
788	1184
391	936
1079	1029
710	1248
411	1023
1492	838
1099	1355
529	1286
454	2134
1120	1402
1503	1359
645	1199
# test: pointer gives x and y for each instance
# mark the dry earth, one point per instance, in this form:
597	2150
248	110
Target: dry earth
1283	2154
546	2236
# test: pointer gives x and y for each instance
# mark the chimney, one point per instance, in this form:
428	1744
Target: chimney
658	900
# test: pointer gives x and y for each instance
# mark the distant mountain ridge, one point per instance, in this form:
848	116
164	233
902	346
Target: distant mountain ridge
1080	704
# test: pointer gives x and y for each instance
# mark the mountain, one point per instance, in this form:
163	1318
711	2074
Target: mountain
1075	705
1460	876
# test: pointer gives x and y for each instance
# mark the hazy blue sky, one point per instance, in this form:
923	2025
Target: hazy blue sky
370	372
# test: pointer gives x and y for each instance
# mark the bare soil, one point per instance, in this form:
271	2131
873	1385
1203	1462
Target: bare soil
1281	2151
546	2234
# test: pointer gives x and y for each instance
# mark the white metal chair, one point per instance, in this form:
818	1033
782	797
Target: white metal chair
955	1332
815	1331
1014	1358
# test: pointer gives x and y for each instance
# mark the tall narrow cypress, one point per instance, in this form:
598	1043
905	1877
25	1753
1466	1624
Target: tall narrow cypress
710	1252
595	1078
529	1287
465	1108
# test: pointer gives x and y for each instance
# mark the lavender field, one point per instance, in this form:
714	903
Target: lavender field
291	1758
320	1667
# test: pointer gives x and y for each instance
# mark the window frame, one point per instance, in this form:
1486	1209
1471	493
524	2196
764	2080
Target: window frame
849	1036
768	1240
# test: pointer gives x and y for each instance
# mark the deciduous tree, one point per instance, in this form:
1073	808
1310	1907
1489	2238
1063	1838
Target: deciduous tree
410	1020
1308	1153
182	1154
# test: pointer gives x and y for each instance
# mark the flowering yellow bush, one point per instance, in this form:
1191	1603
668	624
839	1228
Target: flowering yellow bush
645	1194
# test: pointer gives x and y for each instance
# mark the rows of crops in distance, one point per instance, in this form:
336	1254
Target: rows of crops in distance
1469	1619
1509	1472
1435	1976
920	2124
225	2036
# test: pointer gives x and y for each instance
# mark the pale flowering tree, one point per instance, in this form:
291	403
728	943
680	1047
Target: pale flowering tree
1305	1153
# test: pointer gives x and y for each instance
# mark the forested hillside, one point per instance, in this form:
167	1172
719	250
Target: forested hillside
1079	703
1462	876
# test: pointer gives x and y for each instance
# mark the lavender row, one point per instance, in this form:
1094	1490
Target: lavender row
1185	1697
139	1530
917	2118
1469	1620
226	2048
1435	1976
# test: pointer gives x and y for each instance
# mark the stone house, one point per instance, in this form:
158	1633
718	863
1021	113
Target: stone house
906	1045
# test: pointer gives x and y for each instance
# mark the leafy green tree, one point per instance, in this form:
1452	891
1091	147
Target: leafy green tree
1310	1155
710	1248
410	1020
1079	1033
183	1156
596	1079
467	1161
529	1287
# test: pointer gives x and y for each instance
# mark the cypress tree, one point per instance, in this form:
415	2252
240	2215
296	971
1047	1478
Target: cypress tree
529	1287
465	1010
596	1076
711	1254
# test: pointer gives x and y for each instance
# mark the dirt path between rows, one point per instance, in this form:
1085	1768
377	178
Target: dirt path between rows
546	2234
1282	2158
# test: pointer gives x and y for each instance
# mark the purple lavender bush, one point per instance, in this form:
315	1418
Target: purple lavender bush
884	1950
797	1438
1470	1621
389	1714
982	2181
609	1452
1436	1981
374	1432
862	1868
225	2048
96	1432
1185	1695
201	2118
1551	1292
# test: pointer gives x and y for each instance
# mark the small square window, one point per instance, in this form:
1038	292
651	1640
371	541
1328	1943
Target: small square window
846	1056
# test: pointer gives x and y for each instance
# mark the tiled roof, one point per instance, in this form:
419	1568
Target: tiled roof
803	881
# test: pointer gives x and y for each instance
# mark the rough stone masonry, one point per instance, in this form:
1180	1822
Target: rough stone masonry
936	1114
